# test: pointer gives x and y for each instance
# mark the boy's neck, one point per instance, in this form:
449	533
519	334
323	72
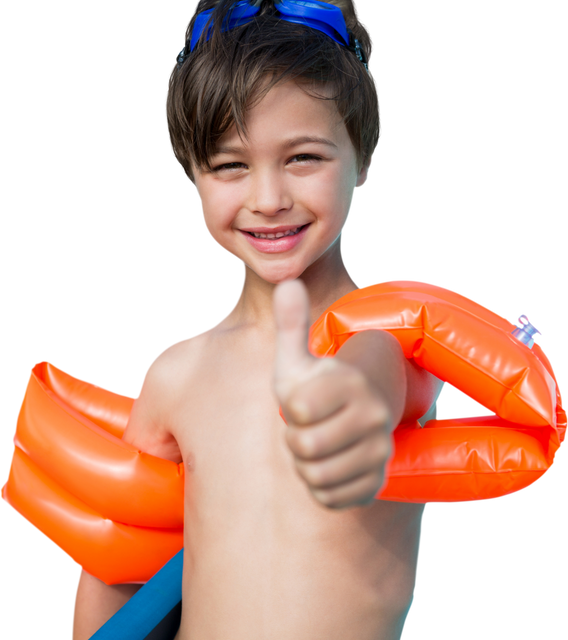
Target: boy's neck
253	311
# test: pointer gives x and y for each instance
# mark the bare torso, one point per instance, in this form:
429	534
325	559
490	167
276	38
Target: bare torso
264	560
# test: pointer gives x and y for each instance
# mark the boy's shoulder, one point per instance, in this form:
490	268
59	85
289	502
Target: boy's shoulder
171	369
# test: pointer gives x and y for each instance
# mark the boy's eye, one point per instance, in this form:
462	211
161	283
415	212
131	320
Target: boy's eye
304	157
226	167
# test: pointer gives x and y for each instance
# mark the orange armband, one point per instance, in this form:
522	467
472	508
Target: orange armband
116	511
473	349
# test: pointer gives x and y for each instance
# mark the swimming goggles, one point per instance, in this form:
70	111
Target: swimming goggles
321	16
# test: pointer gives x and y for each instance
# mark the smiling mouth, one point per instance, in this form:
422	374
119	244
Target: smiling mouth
278	235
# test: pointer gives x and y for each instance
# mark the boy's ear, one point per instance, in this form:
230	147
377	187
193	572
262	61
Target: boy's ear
363	172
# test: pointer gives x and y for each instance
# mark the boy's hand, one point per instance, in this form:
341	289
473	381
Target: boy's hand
339	427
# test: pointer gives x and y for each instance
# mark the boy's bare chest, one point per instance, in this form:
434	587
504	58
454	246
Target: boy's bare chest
254	534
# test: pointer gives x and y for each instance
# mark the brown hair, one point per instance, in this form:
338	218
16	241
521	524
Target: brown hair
212	89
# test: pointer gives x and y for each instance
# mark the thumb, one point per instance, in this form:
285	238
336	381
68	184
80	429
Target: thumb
292	315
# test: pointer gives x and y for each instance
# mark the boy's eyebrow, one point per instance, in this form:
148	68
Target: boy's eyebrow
288	144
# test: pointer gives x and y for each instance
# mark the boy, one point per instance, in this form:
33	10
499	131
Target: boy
275	123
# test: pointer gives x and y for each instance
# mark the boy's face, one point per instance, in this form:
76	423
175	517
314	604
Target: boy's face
294	177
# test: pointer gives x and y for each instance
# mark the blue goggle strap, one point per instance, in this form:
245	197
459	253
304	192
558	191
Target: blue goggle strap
321	16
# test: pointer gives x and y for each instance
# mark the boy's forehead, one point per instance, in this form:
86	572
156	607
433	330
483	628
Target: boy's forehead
296	104
290	114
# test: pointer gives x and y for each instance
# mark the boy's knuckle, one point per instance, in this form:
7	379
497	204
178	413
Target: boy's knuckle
314	475
381	449
307	445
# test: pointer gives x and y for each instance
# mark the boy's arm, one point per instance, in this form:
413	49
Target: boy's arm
417	388
147	430
94	603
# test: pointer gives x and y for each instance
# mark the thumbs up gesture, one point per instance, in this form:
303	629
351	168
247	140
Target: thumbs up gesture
338	424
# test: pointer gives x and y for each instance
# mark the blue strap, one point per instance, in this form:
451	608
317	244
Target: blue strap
147	608
322	16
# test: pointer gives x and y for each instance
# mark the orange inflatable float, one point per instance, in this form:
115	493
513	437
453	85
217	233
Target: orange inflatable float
119	512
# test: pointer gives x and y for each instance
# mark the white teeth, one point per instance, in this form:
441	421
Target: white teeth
272	236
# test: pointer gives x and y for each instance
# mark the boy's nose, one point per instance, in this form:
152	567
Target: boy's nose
269	194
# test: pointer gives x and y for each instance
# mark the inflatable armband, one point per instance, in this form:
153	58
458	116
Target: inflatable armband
475	350
116	511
